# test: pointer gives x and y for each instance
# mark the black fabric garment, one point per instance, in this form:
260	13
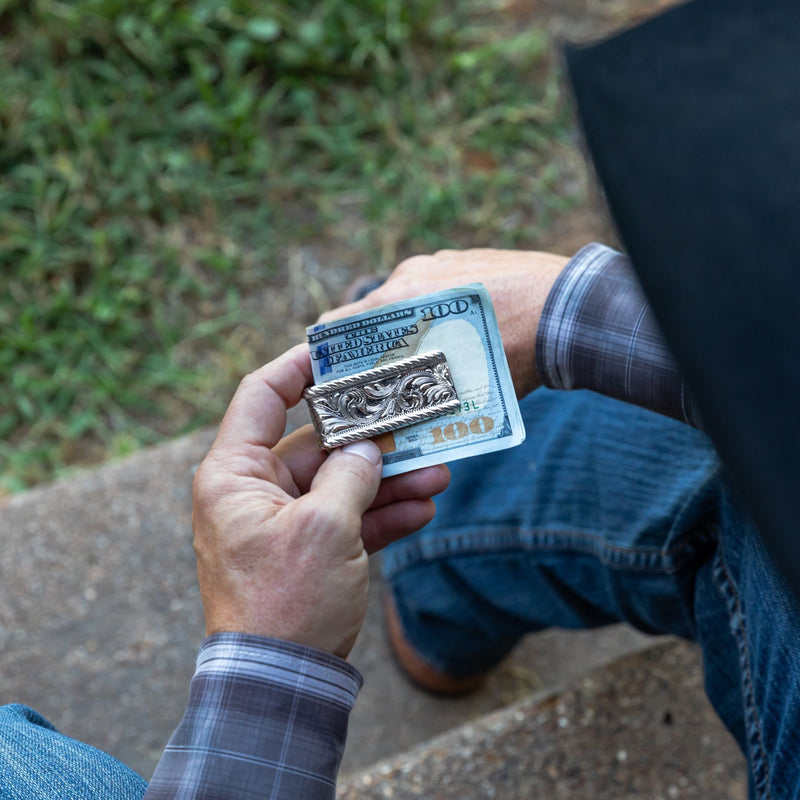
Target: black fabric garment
693	122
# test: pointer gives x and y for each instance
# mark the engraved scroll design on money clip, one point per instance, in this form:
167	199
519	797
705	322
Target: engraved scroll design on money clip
381	399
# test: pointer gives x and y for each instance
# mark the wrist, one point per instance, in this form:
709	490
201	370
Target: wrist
529	300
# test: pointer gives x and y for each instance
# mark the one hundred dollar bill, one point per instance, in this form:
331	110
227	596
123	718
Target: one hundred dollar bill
459	322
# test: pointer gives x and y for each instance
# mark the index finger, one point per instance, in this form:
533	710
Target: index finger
257	413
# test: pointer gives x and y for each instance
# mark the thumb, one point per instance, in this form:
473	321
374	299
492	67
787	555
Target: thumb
349	478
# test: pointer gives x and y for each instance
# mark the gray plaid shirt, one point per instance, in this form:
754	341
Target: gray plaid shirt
598	332
267	718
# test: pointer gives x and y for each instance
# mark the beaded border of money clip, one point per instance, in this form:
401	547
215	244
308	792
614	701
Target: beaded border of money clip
381	399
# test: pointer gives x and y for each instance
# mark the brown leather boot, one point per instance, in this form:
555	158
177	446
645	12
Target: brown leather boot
414	666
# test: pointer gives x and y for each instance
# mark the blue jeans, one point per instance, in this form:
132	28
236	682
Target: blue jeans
609	513
38	763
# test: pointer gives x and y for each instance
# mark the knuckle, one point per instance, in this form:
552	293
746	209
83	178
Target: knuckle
359	473
250	379
414	263
205	477
210	484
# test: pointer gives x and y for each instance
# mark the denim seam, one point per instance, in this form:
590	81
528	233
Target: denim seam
755	737
639	558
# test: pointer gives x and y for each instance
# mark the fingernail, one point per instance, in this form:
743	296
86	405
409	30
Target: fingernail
366	449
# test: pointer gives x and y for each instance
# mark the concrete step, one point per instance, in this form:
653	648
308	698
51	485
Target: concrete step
638	728
100	619
392	715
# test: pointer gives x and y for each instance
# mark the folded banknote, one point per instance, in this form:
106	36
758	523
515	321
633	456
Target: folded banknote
461	324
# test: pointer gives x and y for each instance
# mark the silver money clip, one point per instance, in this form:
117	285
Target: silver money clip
381	399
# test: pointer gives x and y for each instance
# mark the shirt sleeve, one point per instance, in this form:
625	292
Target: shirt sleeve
597	331
265	718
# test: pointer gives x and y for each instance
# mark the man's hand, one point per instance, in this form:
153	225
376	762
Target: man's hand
518	283
282	532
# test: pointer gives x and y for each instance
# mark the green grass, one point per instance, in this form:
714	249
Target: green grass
158	157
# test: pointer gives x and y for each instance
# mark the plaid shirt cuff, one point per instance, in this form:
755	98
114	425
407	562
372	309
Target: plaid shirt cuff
265	718
598	332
